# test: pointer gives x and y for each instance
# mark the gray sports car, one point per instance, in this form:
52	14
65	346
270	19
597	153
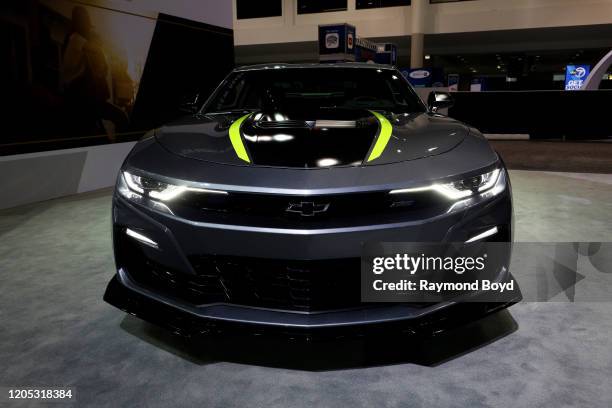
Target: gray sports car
252	212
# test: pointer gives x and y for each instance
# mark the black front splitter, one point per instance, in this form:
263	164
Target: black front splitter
186	324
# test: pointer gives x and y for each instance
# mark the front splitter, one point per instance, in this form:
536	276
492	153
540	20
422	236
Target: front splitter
186	323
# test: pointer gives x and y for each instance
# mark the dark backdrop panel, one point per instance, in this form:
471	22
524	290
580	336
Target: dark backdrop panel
44	108
541	114
185	58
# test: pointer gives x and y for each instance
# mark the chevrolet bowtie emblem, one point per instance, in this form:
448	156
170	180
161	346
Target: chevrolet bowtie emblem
307	208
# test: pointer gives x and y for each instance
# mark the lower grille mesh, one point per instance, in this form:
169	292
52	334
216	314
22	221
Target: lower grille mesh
277	284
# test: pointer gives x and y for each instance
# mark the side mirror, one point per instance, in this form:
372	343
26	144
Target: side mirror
439	100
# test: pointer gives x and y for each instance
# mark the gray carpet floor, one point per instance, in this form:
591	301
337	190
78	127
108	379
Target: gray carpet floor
56	331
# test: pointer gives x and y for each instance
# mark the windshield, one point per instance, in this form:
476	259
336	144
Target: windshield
305	89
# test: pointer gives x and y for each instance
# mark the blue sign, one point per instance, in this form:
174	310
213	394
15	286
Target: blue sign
386	54
419	78
575	75
337	42
453	82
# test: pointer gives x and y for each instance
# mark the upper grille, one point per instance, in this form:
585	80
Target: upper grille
320	211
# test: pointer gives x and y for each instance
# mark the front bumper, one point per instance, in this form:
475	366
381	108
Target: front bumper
190	309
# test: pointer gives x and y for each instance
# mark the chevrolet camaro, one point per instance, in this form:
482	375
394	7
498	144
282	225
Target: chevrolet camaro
252	212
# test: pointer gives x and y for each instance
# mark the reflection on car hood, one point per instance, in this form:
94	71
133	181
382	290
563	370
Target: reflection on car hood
326	138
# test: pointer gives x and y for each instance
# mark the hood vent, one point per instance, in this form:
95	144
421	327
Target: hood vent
300	124
283	124
335	124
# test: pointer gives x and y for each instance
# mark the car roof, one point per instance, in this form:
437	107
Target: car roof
281	65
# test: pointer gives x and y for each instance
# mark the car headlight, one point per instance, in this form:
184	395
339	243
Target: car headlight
152	192
460	189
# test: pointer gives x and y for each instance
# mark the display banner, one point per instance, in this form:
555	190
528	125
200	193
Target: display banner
575	75
477	85
365	50
486	272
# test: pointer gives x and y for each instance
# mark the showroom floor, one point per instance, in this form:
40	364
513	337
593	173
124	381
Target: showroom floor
57	332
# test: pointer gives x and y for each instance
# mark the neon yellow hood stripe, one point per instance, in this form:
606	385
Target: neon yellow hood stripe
383	136
236	139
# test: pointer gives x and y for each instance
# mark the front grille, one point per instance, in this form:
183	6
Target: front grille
290	285
317	211
293	285
303	286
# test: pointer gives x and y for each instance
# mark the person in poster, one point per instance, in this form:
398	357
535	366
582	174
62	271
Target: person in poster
87	79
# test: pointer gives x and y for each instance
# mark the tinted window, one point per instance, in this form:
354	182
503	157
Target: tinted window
290	89
320	6
261	8
366	4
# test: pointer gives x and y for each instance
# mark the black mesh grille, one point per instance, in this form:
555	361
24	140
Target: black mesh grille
293	285
278	284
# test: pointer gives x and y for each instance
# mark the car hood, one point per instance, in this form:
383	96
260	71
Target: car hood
326	138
